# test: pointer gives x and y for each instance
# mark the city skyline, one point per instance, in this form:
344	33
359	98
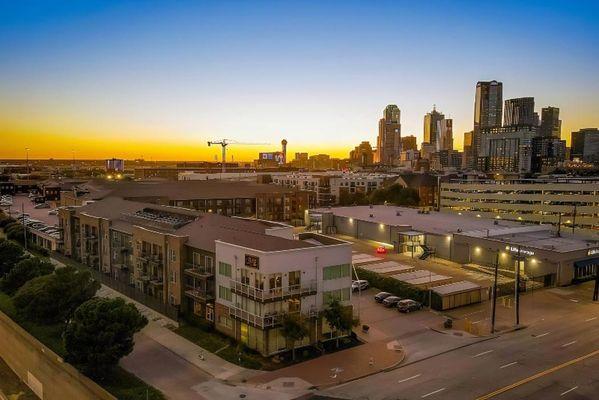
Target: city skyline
155	80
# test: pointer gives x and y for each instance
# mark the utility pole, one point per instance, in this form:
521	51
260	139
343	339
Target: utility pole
596	291
517	289
27	157
495	291
24	226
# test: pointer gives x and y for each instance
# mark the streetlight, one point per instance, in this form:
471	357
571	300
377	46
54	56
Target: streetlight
27	158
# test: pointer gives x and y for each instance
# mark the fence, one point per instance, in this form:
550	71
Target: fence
155	304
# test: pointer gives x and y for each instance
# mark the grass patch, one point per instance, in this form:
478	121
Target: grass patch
126	386
121	384
11	385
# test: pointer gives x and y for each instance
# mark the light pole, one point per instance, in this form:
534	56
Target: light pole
517	288
27	158
495	292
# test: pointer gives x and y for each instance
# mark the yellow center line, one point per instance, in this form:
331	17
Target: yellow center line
536	376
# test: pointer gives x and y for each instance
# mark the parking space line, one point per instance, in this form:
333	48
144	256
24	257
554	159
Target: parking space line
431	393
569	343
508	365
410	378
590	319
542	334
569	390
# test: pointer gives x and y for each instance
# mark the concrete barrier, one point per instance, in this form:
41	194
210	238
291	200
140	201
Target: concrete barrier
43	370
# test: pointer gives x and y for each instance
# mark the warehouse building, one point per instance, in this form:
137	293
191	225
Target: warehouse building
539	251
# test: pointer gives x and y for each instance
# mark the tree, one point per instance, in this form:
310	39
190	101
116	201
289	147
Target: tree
10	254
53	298
100	334
294	330
24	271
339	318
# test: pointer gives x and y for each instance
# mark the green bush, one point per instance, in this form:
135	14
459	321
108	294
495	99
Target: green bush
10	254
398	288
5	220
24	271
54	298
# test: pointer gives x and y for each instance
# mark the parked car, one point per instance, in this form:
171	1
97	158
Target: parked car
41	205
391	301
53	212
408	305
360	284
379	297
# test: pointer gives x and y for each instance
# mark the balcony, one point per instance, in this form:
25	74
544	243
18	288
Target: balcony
199	271
303	289
120	266
198	294
261	322
156	282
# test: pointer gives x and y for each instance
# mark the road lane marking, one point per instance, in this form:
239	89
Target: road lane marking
569	390
483	353
542	334
431	393
569	343
574	300
590	319
508	365
537	376
410	378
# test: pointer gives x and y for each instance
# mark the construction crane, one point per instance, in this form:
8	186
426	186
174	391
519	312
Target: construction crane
225	142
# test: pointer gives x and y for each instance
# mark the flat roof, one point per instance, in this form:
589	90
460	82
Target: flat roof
540	237
435	222
456	287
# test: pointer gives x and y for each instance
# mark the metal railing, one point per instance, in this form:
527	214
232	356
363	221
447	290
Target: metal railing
262	322
303	289
200	271
200	294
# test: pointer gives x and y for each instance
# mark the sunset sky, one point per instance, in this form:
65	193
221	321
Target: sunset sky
157	79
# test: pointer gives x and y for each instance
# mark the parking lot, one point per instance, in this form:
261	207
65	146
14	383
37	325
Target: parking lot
23	202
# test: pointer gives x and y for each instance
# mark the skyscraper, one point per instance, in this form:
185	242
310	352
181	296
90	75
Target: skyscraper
551	125
444	139
520	112
431	127
389	138
488	104
585	145
409	143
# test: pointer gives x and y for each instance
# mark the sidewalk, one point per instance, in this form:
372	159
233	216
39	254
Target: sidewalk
335	368
158	330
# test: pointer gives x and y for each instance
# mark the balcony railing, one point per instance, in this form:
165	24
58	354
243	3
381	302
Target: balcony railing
262	322
199	294
303	289
199	271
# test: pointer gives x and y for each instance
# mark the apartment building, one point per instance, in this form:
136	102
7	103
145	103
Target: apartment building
245	199
537	201
240	275
328	187
318	183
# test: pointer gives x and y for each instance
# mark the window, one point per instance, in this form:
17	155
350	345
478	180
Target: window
225	293
339	294
224	269
336	271
225	321
173	255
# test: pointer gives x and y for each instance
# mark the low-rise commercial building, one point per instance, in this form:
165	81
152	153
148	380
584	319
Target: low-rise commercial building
538	251
238	274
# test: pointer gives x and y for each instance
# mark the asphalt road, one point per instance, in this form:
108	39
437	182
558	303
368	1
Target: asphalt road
554	347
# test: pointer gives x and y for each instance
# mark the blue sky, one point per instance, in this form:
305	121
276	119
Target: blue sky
317	73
